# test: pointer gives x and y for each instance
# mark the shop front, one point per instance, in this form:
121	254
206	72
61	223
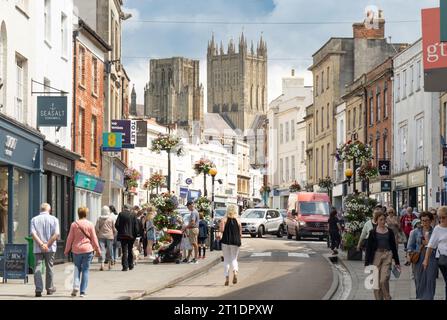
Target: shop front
89	194
411	189
381	192
21	150
57	188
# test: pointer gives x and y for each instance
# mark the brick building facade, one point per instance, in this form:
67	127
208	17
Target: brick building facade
89	69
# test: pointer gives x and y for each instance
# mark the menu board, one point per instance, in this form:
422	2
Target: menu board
15	262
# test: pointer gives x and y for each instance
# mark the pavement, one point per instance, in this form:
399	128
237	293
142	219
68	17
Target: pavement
400	289
144	279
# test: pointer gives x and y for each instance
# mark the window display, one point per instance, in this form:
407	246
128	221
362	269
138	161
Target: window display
3	208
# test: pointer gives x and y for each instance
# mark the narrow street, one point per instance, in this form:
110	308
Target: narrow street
270	268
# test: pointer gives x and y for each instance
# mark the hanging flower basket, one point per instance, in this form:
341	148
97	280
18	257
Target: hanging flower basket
155	181
295	187
166	217
359	208
367	171
203	205
354	150
131	177
265	189
326	183
203	166
168	143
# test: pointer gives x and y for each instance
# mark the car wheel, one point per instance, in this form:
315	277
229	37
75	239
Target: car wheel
253	235
298	237
280	232
260	231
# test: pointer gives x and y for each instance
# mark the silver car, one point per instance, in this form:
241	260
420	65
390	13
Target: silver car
258	222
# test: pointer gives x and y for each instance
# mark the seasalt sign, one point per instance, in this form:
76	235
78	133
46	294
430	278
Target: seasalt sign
52	111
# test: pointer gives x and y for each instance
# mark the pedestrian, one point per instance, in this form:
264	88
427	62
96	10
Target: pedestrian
381	249
405	224
82	242
425	280
435	217
193	230
116	244
334	231
150	231
174	199
45	232
203	235
392	222
106	232
438	243
367	227
127	228
230	236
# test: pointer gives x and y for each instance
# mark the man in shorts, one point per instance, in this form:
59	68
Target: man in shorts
193	230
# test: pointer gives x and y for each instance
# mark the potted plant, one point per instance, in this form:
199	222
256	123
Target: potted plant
166	217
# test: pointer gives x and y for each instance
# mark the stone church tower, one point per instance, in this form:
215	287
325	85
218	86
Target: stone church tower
174	94
237	82
133	102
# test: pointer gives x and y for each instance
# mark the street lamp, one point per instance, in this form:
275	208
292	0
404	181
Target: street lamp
213	173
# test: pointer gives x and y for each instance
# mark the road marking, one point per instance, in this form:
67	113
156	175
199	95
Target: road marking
280	253
261	254
298	254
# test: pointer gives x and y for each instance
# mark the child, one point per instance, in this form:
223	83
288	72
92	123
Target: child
203	235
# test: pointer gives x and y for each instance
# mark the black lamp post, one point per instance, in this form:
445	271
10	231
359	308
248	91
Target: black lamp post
213	173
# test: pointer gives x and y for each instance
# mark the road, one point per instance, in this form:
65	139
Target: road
270	268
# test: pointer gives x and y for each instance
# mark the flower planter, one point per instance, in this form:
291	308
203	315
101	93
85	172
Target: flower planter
355	255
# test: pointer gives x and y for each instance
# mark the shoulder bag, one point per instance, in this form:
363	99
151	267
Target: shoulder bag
442	261
85	234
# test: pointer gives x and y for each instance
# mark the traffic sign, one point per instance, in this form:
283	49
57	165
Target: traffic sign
188	181
112	141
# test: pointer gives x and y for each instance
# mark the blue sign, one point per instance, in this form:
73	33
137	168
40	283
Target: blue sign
112	141
183	192
188	181
124	127
15	262
88	182
51	111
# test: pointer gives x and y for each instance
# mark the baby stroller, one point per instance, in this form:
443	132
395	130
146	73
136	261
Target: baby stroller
172	252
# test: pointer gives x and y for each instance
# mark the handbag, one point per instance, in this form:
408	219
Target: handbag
217	245
414	256
185	244
396	272
442	261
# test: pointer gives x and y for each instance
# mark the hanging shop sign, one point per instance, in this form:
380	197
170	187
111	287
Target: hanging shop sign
183	192
384	167
385	186
112	141
141	134
51	111
435	57
125	127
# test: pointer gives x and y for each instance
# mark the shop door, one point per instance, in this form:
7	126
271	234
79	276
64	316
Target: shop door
413	199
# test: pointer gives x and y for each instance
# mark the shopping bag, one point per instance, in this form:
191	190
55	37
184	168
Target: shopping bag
185	244
217	245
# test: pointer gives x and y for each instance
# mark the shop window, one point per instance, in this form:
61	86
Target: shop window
20	206
3	208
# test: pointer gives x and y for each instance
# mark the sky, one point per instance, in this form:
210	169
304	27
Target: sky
290	46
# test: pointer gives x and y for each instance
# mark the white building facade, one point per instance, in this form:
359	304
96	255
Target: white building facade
417	142
287	139
339	167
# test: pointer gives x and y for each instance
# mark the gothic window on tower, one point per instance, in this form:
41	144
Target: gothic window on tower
234	107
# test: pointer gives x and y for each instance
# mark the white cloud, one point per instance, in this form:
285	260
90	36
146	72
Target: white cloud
131	25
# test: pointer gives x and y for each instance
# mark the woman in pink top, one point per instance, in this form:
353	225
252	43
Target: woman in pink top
83	242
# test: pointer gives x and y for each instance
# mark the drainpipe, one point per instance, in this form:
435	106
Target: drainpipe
75	60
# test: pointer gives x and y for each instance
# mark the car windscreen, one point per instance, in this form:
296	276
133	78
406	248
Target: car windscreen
308	208
253	214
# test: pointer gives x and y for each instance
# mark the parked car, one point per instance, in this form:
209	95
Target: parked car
308	215
258	222
219	213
